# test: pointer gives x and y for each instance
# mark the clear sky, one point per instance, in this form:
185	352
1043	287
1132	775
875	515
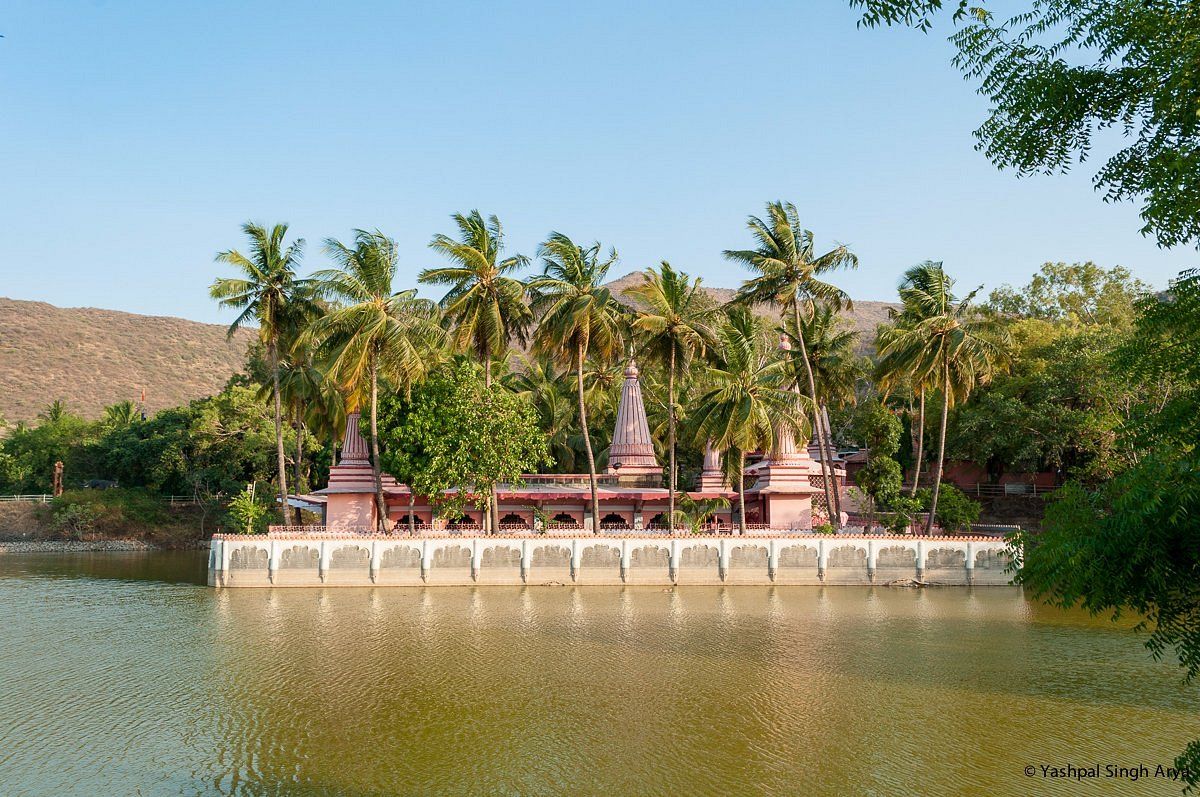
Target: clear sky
135	137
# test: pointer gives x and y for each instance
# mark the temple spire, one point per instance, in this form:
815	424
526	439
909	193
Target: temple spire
632	449
354	445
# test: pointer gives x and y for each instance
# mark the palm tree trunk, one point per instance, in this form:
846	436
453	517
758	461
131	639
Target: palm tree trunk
741	492
671	440
412	524
937	474
587	438
823	453
273	353
380	503
920	443
828	431
299	459
493	507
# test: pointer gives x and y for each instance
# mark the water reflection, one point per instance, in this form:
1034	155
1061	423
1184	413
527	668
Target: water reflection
128	685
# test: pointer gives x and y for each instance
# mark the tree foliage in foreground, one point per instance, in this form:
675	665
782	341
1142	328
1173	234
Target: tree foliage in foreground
1065	77
1134	545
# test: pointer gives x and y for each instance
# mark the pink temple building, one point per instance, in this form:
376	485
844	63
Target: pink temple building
782	488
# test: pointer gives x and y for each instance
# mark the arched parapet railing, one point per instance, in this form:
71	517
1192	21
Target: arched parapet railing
547	562
844	561
646	560
246	564
498	561
747	562
697	561
795	561
399	556
395	562
945	563
447	561
248	557
891	561
990	563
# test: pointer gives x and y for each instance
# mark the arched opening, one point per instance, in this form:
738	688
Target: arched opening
403	521
659	521
563	519
513	520
613	521
464	522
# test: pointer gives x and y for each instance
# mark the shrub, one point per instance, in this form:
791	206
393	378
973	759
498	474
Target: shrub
955	510
248	513
75	521
107	512
903	510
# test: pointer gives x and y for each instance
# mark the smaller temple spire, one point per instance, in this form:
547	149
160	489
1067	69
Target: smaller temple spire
354	445
712	478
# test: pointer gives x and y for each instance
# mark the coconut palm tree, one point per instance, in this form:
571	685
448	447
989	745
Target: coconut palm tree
377	333
788	274
577	317
672	324
541	384
266	293
835	364
947	343
485	304
750	398
121	415
894	376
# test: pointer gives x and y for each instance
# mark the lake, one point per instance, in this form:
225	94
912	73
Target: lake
123	674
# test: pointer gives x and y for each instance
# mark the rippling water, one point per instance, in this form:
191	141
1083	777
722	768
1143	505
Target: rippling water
122	674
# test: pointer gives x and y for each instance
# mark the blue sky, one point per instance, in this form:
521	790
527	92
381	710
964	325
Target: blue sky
135	137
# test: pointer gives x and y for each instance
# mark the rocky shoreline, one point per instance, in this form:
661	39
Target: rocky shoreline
80	546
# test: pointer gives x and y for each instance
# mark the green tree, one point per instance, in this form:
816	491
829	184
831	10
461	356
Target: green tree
246	511
788	274
1059	73
121	414
265	292
377	333
458	438
577	317
952	344
879	481
1080	293
672	324
749	399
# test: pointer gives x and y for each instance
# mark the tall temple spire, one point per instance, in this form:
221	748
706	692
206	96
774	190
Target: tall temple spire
632	450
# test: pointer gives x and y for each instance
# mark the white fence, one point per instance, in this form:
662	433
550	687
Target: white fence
45	498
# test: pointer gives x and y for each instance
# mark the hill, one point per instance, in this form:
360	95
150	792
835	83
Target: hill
91	358
863	318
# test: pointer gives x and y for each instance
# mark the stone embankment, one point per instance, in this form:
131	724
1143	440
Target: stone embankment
73	546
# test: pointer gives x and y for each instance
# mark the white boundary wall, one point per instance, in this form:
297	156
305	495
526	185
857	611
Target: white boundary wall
323	559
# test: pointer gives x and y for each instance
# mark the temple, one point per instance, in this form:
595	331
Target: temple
784	489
